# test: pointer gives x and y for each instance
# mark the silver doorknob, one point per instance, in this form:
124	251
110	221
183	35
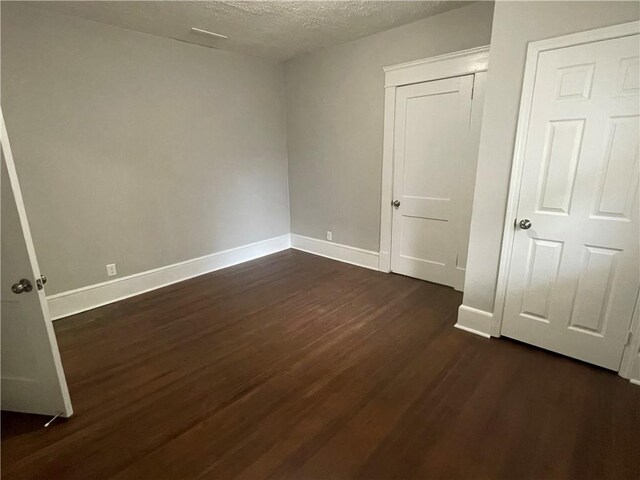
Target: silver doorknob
23	285
396	203
525	224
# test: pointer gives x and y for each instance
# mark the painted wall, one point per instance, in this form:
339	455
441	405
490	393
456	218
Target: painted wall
515	24
138	150
335	100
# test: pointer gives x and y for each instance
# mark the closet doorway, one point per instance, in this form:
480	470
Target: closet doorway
433	114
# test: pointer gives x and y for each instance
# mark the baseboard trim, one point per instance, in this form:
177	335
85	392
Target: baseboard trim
471	330
475	321
87	298
336	251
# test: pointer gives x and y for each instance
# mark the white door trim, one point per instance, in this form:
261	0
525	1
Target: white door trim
533	51
455	64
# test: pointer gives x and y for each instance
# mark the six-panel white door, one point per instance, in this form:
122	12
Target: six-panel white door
431	156
575	273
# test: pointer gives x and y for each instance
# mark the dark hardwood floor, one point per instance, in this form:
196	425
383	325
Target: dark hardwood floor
295	366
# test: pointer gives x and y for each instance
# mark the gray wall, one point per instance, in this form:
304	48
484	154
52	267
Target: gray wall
335	100
515	24
138	150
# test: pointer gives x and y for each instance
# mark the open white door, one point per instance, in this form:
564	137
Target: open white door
33	380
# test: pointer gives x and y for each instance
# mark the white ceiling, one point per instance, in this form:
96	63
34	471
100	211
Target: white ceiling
271	29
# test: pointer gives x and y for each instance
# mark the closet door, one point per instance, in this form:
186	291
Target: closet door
573	278
431	163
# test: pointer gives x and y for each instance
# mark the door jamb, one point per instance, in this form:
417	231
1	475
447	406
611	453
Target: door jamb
533	51
465	62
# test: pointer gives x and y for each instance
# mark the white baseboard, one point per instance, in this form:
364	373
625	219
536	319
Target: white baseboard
475	321
336	251
86	298
471	330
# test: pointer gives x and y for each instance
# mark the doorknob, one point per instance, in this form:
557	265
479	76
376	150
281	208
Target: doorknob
396	203
23	285
525	224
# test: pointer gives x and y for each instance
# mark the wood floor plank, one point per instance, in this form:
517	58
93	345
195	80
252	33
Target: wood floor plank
296	366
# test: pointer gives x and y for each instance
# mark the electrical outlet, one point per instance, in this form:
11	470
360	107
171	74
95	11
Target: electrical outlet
111	270
329	235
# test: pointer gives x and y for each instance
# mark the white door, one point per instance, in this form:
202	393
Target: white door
435	154
575	271
32	377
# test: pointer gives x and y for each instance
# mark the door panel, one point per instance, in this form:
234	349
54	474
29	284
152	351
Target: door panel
574	278
619	176
589	310
542	276
32	377
431	135
562	148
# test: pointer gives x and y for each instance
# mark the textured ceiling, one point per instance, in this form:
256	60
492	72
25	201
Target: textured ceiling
271	29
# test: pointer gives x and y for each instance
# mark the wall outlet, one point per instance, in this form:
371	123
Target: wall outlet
329	235
111	270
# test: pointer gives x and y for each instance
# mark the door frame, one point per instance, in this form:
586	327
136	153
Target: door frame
534	50
464	62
